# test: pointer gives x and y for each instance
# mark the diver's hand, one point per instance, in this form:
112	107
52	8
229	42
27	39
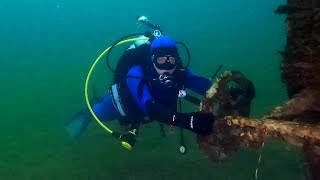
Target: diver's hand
197	122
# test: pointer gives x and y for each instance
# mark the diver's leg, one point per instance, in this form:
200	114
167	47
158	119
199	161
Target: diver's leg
104	110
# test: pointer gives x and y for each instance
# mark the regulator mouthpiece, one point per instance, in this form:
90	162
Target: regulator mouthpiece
166	80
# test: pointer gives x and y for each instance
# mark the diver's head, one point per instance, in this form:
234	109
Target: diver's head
164	55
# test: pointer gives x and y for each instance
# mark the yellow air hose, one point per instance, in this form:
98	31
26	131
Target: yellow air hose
89	75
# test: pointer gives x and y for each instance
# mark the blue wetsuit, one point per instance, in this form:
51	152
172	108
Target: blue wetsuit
151	101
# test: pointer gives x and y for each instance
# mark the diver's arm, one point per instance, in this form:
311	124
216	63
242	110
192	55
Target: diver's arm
197	122
137	87
145	101
197	83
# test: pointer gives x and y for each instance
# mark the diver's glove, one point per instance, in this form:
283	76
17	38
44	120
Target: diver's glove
197	122
78	123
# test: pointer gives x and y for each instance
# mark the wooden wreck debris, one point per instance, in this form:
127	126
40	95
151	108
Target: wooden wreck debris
295	133
231	130
297	121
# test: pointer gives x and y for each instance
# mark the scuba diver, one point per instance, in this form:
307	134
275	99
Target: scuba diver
150	90
148	82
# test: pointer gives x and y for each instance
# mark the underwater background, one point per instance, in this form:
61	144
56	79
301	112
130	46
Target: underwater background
47	48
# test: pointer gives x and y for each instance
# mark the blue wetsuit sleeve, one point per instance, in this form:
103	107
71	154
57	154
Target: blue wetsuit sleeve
197	83
134	85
